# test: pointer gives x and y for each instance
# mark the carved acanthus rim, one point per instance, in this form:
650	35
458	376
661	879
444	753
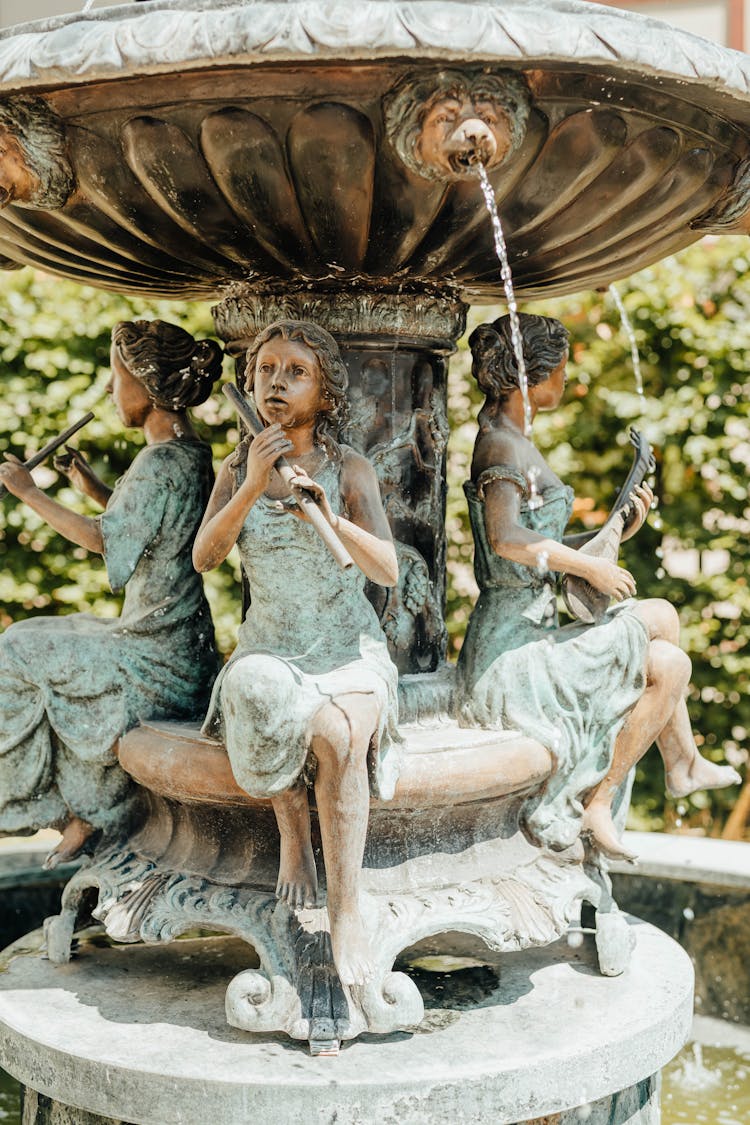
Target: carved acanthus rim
240	316
182	34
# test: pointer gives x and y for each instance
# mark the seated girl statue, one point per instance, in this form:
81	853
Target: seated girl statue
310	693
596	695
71	686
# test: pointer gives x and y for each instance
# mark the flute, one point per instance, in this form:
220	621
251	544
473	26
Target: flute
51	446
287	474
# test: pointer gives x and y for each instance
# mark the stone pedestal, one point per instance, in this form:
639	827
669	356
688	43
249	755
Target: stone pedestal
137	1034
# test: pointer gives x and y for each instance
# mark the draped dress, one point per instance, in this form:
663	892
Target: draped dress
70	686
309	636
570	688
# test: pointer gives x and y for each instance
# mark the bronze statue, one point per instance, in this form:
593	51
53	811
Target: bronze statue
71	686
309	696
596	695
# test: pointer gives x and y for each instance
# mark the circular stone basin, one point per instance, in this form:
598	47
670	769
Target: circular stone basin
138	1034
219	143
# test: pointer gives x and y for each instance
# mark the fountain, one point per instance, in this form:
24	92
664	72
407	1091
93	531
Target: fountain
287	159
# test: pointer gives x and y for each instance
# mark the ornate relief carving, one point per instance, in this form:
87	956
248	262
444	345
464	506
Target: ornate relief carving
194	33
295	987
243	313
726	216
34	167
443	124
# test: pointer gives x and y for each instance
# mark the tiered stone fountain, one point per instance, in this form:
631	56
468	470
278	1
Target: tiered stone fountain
316	160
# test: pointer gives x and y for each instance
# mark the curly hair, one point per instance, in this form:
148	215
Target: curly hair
494	364
333	373
176	370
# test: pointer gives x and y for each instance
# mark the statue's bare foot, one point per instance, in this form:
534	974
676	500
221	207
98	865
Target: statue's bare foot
351	948
297	885
597	822
74	835
699	774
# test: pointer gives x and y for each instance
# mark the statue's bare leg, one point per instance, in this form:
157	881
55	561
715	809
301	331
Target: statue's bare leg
665	683
75	833
341	735
297	884
686	769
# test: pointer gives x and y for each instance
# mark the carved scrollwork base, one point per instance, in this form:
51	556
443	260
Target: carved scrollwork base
294	987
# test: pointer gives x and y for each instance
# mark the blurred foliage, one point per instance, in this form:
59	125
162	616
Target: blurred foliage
691	317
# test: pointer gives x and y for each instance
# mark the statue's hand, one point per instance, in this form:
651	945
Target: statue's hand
303	484
610	579
16	477
641	500
263	452
73	465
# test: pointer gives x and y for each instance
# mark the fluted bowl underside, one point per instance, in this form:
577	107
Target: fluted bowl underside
217	160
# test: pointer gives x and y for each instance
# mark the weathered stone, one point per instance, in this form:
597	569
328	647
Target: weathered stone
495	1043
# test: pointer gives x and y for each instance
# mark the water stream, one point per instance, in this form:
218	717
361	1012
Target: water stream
510	297
627	328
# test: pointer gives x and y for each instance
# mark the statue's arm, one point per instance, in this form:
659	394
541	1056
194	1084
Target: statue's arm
81	530
366	533
228	508
510	539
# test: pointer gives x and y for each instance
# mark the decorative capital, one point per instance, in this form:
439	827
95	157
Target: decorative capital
243	314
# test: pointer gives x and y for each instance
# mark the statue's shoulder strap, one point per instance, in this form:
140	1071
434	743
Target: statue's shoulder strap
501	472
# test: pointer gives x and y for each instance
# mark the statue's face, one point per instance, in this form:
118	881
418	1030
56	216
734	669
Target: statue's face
129	395
457	133
548	395
17	182
288	385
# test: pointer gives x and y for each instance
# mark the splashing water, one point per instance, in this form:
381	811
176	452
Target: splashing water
627	328
510	297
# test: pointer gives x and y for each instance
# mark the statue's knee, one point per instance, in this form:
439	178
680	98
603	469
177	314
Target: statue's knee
332	733
668	666
663	620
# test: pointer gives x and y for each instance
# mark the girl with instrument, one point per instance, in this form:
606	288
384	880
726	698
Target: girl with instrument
596	695
310	693
71	686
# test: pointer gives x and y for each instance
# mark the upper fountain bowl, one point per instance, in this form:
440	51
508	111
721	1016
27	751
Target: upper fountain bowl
179	148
